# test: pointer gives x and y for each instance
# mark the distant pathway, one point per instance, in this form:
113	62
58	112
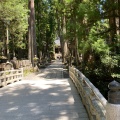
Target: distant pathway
47	95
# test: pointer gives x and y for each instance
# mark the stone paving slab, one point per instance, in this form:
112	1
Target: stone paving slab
46	95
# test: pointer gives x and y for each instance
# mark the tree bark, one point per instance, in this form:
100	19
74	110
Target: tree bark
29	35
31	31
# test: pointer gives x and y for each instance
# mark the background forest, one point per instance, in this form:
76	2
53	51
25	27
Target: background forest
13	16
89	32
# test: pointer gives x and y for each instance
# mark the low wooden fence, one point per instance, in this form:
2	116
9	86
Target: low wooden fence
10	76
92	99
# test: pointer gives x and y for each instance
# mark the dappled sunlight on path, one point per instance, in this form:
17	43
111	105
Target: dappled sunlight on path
45	96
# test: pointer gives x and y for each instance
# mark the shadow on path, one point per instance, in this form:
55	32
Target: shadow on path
50	97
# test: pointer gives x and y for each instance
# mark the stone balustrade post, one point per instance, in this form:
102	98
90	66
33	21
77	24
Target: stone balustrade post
22	72
113	104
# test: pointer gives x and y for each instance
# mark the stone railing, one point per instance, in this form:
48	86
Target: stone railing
97	106
10	76
92	99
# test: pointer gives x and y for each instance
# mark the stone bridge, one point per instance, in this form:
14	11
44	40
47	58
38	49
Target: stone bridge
51	95
46	95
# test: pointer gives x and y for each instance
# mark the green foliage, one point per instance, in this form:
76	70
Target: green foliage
116	76
100	47
109	61
86	21
45	25
1	44
27	72
14	14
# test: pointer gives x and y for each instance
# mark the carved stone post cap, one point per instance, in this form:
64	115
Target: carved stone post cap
114	85
114	93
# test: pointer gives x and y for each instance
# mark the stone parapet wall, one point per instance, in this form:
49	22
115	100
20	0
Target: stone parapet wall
92	99
25	64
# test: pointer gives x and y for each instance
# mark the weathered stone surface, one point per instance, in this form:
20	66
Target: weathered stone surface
92	99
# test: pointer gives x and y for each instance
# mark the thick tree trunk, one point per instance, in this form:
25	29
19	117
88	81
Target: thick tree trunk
64	42
29	36
114	22
76	51
62	33
31	31
75	21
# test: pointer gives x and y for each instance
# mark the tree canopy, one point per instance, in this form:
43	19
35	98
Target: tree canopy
89	31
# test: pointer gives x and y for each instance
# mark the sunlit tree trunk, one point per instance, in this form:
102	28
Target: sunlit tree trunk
75	21
32	35
29	35
65	47
63	33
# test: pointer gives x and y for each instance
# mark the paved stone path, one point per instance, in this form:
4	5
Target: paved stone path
47	95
